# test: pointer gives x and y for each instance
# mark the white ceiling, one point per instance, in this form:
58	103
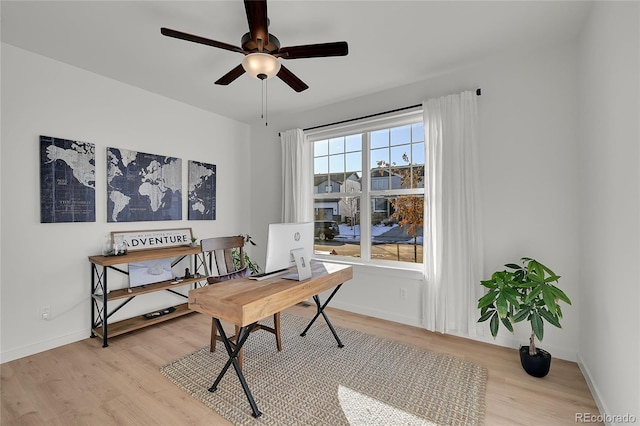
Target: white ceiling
391	43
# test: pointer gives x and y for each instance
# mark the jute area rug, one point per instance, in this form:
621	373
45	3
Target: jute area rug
370	381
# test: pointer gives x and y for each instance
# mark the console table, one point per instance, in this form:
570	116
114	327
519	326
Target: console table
101	297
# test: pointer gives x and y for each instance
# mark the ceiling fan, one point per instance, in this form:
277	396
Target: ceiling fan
262	49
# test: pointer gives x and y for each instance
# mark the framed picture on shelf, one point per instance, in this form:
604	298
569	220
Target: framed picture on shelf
149	271
153	238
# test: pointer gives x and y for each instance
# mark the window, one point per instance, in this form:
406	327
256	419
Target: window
369	190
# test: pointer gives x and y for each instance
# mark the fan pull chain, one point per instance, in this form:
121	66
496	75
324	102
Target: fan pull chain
263	101
266	107
262	98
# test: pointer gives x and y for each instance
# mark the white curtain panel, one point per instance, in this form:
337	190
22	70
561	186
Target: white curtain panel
453	253
296	180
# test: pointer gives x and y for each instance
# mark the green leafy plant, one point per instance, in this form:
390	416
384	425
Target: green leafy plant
522	292
253	267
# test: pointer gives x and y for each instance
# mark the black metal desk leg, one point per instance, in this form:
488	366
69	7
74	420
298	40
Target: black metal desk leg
233	350
320	310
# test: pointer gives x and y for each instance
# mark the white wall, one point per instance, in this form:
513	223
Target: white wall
610	208
46	264
528	170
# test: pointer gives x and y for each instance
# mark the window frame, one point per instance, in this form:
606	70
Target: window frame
367	195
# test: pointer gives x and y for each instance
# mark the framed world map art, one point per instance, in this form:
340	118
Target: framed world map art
143	187
67	181
202	191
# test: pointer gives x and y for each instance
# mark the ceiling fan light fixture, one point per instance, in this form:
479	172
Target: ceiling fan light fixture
261	65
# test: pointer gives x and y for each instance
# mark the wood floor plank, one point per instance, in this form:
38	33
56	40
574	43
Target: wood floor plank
83	383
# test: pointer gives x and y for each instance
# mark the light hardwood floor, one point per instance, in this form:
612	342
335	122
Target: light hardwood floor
85	384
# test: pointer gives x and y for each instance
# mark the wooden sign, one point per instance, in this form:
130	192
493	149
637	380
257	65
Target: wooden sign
153	239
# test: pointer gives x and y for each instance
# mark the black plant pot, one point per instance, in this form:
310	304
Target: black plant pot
537	365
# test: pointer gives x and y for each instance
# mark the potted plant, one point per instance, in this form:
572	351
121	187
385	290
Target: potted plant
194	242
253	267
522	292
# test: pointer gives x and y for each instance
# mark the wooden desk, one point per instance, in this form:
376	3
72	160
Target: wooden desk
244	302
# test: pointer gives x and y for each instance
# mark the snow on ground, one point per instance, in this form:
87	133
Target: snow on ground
352	233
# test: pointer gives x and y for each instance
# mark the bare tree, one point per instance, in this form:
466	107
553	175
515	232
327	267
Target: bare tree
349	206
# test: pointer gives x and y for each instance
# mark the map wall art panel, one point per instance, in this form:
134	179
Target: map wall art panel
67	181
143	187
202	191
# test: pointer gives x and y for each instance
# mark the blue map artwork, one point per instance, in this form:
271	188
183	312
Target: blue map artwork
202	191
67	181
143	187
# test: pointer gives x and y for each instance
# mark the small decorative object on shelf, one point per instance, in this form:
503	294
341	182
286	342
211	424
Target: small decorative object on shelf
157	314
187	274
194	242
114	247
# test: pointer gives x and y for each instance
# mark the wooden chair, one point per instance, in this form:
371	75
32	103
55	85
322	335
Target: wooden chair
220	266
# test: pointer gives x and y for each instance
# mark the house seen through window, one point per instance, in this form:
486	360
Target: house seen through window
369	192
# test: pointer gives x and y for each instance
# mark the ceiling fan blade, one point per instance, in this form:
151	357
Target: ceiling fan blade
231	75
338	48
197	39
257	20
294	82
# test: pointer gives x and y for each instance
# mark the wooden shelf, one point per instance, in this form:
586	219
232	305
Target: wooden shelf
100	265
136	323
140	255
124	293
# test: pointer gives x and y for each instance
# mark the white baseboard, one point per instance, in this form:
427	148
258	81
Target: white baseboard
592	387
376	313
45	345
505	341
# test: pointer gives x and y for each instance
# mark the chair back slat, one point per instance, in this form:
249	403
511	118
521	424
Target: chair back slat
219	255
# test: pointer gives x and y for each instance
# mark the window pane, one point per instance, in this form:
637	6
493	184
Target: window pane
380	138
379	180
354	161
400	135
337	179
417	157
354	143
353	183
395	178
320	165
417	132
336	145
396	228
320	148
322	185
397	154
337	226
336	163
379	155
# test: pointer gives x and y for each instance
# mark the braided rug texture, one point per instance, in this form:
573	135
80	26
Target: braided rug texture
370	381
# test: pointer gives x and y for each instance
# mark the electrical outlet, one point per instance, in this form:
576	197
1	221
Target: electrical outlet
403	293
45	312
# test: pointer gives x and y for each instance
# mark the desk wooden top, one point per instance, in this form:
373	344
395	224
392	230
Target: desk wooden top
243	301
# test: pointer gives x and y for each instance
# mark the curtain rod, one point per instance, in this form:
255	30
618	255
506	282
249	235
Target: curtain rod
478	93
